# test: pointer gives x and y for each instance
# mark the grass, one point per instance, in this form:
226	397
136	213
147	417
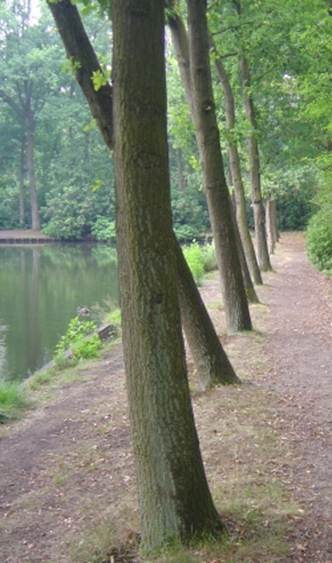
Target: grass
13	399
52	378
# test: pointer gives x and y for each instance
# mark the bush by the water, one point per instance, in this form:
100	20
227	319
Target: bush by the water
319	239
12	397
80	340
104	230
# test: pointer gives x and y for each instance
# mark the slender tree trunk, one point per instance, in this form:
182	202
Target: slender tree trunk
219	204
30	133
248	285
181	171
275	220
21	185
210	360
174	498
270	226
255	175
235	169
209	357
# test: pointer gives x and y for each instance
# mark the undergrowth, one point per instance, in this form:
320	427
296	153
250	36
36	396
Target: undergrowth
12	398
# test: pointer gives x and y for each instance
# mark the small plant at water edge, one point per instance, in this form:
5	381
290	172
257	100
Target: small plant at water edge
80	340
12	398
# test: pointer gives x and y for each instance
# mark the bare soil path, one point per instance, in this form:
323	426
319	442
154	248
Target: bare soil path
300	343
67	467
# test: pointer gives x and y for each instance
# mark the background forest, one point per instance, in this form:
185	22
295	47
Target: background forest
56	172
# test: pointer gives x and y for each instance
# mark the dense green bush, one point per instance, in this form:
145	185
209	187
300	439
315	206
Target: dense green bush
195	259
319	239
80	340
104	230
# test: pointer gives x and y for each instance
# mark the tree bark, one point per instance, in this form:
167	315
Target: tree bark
181	171
30	134
218	199
275	220
270	227
235	169
85	63
211	362
202	338
174	498
21	185
247	281
255	175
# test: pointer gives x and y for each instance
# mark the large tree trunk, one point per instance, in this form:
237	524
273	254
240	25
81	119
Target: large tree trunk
30	134
209	356
210	360
255	174
235	169
174	498
219	204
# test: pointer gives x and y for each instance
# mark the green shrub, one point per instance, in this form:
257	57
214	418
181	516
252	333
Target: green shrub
195	259
80	340
185	233
209	258
12	396
104	230
319	239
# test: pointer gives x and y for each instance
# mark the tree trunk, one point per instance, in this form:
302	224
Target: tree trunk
21	185
255	176
270	227
219	204
181	171
174	498
202	337
210	360
30	133
248	285
275	220
235	169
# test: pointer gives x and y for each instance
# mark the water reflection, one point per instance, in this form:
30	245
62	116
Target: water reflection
41	288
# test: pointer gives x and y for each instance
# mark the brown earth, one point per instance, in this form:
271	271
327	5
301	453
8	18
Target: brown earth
66	469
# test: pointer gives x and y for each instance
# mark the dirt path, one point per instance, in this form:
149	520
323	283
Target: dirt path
68	467
300	342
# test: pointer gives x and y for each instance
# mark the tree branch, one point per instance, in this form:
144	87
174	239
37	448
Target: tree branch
85	62
10	102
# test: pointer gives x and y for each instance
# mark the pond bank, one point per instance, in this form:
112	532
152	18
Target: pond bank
24	236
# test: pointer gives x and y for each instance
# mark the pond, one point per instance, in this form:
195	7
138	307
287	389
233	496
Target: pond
41	288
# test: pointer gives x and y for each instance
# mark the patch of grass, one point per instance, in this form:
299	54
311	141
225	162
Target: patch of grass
94	547
114	317
51	379
209	258
12	399
40	378
102	545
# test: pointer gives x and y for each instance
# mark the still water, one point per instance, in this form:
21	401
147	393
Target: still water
41	287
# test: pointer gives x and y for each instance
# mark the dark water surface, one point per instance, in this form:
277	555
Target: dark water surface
41	287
